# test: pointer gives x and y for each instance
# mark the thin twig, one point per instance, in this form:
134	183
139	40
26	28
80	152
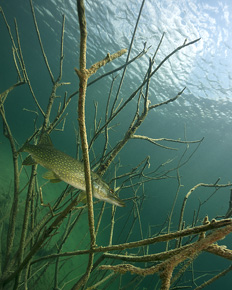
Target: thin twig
40	42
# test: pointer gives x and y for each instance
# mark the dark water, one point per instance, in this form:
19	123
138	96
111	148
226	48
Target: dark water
204	109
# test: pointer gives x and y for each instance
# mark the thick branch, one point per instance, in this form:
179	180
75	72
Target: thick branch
149	241
166	268
83	77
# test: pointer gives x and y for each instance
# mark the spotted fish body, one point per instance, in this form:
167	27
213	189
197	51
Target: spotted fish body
63	167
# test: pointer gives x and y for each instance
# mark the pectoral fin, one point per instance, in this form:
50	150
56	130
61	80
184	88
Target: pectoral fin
82	197
51	176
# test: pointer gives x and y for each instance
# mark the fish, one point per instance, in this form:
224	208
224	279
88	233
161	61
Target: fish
63	167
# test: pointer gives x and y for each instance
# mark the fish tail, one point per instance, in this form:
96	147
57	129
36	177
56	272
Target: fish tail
28	160
22	149
25	145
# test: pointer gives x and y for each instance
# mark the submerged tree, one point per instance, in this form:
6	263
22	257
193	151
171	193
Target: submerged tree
39	243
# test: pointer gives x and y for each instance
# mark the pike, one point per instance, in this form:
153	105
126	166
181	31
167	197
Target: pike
63	167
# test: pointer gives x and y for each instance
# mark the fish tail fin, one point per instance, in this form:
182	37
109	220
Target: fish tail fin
28	160
22	149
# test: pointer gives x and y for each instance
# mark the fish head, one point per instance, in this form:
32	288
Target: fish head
102	191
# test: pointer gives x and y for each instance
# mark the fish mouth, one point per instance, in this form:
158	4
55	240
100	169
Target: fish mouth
109	197
114	200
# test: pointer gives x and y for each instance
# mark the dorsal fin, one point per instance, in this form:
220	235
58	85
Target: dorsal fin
45	140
